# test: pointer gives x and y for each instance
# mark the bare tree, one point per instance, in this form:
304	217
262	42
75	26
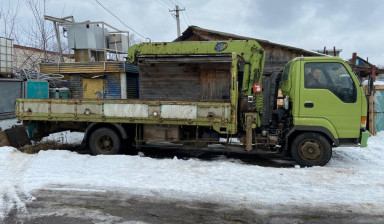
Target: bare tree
8	19
133	39
40	33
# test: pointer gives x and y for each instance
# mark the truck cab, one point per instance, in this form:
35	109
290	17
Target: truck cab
327	106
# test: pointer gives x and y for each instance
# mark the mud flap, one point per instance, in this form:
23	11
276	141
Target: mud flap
364	139
18	136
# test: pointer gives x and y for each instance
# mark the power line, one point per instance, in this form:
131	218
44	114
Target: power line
164	5
121	20
186	12
186	15
169	7
184	18
177	3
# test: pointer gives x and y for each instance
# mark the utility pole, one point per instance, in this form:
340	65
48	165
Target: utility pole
177	16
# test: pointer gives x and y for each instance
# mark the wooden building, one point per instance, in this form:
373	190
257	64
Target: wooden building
277	56
364	68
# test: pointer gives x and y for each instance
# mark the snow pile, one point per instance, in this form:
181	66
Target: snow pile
353	180
12	169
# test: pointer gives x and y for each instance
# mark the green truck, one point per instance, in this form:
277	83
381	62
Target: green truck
195	93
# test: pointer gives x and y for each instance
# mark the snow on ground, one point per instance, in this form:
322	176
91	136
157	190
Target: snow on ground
353	179
5	124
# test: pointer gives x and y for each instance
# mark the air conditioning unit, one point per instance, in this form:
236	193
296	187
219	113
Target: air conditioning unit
87	36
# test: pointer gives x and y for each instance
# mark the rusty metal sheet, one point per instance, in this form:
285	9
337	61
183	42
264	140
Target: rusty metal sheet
34	107
217	112
18	136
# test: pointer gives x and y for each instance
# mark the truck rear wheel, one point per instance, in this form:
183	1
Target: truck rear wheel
104	141
311	149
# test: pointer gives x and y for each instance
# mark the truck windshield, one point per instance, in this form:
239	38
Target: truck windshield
357	77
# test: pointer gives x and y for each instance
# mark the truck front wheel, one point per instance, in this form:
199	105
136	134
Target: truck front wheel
311	149
104	141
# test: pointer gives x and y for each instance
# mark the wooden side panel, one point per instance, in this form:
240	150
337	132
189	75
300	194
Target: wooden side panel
185	81
215	85
169	82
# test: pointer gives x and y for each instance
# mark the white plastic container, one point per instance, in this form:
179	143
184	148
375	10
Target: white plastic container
6	55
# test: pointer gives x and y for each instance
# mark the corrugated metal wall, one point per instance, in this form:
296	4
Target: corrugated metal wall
10	90
132	86
112	86
75	85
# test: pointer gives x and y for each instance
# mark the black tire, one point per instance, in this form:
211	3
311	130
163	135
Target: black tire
105	141
311	149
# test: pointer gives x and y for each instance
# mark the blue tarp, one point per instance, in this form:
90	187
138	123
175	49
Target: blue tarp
379	110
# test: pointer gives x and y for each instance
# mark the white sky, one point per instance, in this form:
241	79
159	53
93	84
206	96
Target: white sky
351	25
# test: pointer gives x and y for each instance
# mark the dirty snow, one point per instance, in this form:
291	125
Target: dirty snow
353	180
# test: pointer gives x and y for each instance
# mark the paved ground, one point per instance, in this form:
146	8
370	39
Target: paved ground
119	206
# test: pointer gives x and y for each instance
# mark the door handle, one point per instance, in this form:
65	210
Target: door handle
308	104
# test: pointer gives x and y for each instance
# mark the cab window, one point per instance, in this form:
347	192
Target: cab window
331	76
286	73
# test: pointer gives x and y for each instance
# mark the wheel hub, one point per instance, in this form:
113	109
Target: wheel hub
105	143
311	150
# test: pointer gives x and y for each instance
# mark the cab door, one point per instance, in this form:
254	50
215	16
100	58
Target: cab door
332	99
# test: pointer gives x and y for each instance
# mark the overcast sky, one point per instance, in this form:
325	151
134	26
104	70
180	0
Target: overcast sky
350	25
